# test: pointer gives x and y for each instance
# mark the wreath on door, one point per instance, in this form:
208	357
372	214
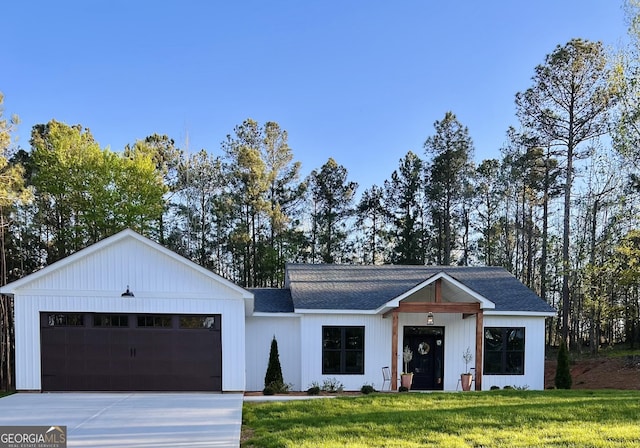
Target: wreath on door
423	348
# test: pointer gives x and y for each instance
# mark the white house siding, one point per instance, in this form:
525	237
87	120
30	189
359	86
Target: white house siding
162	282
259	333
132	263
28	308
377	348
533	377
460	334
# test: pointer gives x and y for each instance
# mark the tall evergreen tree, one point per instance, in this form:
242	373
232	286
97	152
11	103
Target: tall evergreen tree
489	194
567	106
372	215
450	161
249	184
332	196
405	204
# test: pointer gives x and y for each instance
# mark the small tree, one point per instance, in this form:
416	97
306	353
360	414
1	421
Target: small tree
563	371
274	371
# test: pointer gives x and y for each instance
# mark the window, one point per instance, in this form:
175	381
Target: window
343	350
66	320
154	321
197	322
111	320
503	351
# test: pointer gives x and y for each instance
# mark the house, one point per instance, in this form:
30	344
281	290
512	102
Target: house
128	314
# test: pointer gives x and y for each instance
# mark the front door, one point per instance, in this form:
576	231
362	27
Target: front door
427	364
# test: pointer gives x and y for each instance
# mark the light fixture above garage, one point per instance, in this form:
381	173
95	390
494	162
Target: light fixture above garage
127	293
429	318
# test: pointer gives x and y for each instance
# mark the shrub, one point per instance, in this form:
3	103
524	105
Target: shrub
563	370
278	387
268	391
494	388
403	389
332	385
367	389
274	371
313	390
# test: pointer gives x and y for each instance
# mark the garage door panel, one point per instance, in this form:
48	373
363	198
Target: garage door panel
119	358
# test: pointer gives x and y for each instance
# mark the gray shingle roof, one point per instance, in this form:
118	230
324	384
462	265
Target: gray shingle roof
355	287
270	300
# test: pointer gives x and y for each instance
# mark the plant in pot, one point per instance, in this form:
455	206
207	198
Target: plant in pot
407	377
466	377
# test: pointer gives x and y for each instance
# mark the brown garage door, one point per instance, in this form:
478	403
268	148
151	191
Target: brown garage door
130	352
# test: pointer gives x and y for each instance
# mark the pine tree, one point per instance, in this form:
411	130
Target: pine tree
563	371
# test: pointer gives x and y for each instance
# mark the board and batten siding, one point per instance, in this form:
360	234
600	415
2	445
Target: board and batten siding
534	348
460	334
130	263
92	281
259	333
28	308
377	348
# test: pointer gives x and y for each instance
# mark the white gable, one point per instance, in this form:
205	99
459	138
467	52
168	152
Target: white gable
452	291
126	260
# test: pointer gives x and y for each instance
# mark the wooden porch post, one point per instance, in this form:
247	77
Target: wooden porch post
479	340
394	352
438	291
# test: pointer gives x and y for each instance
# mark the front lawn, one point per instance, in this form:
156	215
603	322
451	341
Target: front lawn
473	419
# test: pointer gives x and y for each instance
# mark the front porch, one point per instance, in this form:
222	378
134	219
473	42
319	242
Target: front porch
433	300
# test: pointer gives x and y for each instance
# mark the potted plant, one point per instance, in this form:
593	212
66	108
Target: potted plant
466	377
407	377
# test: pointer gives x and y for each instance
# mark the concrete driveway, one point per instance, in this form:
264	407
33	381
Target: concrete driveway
105	420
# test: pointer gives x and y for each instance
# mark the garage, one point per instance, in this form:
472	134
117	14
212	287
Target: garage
130	352
127	314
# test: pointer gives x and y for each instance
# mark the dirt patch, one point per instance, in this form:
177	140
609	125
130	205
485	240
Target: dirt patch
598	373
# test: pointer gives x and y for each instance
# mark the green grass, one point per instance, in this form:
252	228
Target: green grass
472	419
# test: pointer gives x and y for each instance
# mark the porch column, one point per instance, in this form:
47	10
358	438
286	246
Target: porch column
479	340
394	352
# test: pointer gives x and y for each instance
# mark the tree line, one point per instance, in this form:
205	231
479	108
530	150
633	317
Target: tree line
558	208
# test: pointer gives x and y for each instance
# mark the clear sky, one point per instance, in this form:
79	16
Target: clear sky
359	81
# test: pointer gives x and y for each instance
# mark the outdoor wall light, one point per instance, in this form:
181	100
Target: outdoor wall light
430	318
127	293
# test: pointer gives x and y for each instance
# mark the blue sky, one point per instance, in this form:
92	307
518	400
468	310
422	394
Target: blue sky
359	81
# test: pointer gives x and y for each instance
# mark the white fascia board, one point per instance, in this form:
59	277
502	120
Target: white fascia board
484	302
327	311
118	294
263	314
521	313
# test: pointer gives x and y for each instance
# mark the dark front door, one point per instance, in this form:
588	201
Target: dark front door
427	365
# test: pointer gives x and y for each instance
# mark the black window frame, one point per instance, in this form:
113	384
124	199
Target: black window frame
197	322
110	320
154	321
507	355
66	319
344	354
